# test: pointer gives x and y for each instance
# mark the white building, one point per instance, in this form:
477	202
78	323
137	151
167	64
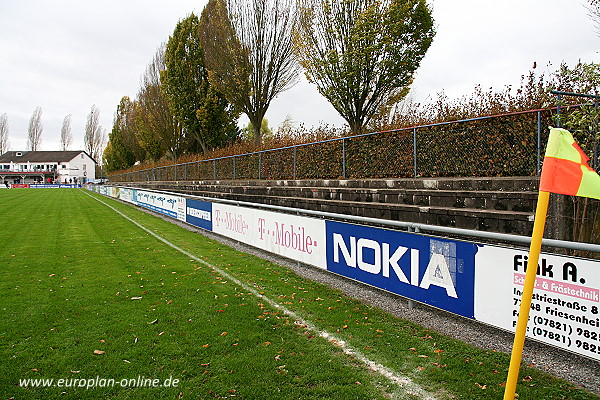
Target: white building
27	167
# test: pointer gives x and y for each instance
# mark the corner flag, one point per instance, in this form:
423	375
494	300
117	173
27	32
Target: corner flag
565	171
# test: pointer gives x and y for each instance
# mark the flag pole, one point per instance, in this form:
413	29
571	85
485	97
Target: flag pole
532	266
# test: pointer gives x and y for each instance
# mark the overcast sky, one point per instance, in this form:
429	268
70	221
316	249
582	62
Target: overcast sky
67	55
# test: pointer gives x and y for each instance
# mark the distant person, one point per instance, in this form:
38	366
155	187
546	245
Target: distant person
6	184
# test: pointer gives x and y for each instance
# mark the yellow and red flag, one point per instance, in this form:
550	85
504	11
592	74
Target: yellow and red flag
566	169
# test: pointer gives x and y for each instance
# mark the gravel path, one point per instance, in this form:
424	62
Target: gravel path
579	370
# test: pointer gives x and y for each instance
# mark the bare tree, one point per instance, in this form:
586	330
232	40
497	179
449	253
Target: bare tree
66	138
249	52
94	139
159	132
34	135
594	13
3	133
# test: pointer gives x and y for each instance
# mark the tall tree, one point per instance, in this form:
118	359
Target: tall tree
249	52
158	132
34	132
124	148
94	138
66	138
207	118
362	54
4	133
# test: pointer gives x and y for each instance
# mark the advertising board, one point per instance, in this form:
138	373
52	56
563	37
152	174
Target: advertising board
295	237
434	271
566	299
199	213
173	206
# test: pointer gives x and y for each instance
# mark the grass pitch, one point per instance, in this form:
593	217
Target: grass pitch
96	307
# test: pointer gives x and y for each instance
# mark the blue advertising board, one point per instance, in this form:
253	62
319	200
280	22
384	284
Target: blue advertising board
199	213
434	271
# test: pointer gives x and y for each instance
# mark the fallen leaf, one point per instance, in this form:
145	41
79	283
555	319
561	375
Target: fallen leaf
153	322
422	356
481	386
99	352
136	298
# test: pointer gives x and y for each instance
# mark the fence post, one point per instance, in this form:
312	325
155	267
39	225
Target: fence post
539	142
595	129
295	147
185	172
259	164
214	170
558	100
415	152
344	157
234	175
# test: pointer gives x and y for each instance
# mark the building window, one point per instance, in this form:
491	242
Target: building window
64	166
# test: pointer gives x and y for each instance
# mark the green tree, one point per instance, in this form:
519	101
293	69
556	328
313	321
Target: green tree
188	91
362	54
121	151
266	132
249	52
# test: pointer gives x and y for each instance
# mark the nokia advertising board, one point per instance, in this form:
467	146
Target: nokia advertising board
433	271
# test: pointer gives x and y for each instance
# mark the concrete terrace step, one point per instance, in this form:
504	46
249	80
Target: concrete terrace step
494	200
469	184
468	218
492	204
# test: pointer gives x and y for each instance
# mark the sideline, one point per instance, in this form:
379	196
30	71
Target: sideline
404	382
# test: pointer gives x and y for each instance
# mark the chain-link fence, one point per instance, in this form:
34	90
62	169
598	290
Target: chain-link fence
504	145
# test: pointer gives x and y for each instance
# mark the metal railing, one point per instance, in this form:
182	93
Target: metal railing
410	226
500	145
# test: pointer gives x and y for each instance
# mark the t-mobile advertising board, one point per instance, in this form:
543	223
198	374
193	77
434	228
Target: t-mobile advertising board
291	236
480	282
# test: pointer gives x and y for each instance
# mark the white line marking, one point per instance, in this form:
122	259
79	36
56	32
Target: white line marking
403	381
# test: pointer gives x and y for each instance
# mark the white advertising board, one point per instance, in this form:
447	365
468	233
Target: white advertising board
291	236
173	206
566	299
125	194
